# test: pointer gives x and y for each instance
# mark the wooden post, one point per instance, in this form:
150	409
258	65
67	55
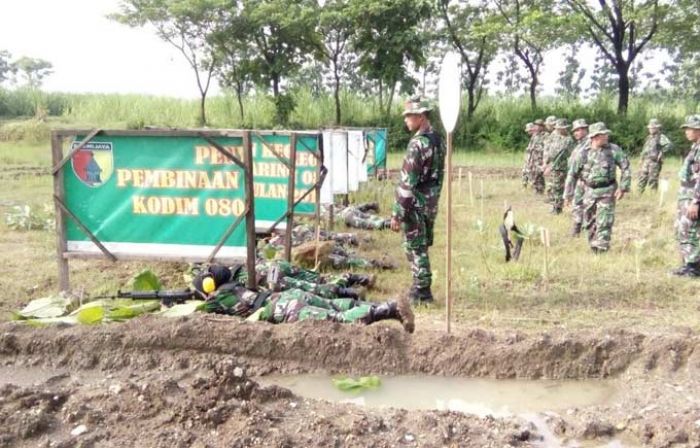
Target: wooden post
61	245
331	213
471	189
291	185
544	237
448	249
459	181
250	205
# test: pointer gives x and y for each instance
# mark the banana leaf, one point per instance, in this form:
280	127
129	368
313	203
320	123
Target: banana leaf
181	309
46	307
146	281
356	385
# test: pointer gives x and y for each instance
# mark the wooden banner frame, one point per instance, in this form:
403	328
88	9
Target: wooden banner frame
62	211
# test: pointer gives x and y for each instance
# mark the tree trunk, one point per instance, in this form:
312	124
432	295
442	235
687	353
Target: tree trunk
390	100
471	101
623	84
533	89
336	95
202	114
239	95
381	99
275	85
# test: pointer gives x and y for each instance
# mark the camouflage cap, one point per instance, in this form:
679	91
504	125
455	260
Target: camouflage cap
578	124
597	129
538	122
551	120
561	123
691	122
416	105
528	127
654	123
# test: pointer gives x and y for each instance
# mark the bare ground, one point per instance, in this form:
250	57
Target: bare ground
191	382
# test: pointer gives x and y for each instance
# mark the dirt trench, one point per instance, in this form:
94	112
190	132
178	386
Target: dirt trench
192	382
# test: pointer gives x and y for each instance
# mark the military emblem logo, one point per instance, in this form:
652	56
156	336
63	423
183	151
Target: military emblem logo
93	164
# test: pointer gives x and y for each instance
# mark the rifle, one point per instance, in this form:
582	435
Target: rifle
167	298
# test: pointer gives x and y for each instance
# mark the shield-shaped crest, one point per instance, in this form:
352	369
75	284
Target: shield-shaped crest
93	163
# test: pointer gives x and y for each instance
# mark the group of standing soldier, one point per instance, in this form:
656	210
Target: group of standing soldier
582	172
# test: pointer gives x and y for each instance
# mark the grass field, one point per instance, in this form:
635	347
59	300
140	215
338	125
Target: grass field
628	286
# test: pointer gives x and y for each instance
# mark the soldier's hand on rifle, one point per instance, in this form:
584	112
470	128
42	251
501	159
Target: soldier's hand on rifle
619	194
693	212
395	224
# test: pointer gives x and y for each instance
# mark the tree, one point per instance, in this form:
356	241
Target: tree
187	26
473	29
7	69
336	27
389	41
620	29
33	70
569	82
531	29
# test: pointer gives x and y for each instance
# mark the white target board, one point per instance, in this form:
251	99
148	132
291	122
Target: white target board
326	187
339	162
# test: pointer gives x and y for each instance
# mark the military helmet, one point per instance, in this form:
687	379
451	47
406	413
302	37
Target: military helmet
551	120
561	123
654	123
691	122
416	105
578	124
597	129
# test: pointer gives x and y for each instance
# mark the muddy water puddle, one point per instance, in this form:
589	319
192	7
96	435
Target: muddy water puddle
469	395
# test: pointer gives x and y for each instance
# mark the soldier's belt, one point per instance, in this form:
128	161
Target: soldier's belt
604	184
688	184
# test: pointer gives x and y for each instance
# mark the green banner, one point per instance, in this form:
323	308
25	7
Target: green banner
176	196
376	150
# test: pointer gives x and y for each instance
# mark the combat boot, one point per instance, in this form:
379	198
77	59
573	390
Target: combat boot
369	207
386	224
393	310
688	270
575	230
352	293
367	280
420	296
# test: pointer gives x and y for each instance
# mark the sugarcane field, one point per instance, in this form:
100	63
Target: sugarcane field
354	223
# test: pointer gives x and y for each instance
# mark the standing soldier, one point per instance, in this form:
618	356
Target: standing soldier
655	146
418	195
580	130
530	130
555	163
548	135
688	202
537	142
597	170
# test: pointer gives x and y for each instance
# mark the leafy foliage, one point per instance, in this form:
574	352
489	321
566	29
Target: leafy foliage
357	385
146	281
27	217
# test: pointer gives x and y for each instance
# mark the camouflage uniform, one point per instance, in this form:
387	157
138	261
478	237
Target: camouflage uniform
536	175
417	197
597	169
525	175
357	217
687	230
556	158
296	305
655	146
581	150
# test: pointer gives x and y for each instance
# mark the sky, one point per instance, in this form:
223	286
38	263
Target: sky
91	53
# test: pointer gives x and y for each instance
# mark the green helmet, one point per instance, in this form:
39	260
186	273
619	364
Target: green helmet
416	105
597	129
691	122
578	124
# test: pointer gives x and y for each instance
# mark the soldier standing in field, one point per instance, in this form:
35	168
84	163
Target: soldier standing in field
537	142
530	129
686	224
655	146
580	131
555	163
597	170
418	194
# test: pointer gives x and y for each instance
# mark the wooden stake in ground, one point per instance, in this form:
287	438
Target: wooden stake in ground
459	181
481	182
449	96
544	237
471	189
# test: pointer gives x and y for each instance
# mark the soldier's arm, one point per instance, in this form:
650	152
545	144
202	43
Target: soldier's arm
410	173
572	176
665	145
623	163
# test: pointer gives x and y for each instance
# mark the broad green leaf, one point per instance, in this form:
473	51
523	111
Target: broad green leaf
181	309
91	315
146	281
46	307
355	385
